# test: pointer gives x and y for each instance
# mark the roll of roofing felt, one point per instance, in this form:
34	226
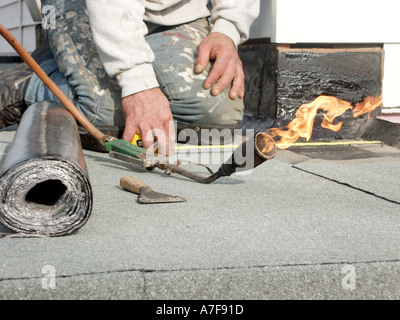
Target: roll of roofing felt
44	185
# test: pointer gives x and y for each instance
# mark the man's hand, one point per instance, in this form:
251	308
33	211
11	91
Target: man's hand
149	114
227	68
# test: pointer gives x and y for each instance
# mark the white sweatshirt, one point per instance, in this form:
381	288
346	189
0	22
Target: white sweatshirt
119	31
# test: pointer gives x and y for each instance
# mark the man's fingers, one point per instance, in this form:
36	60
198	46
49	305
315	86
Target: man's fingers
225	80
148	137
160	136
200	67
165	140
203	58
233	75
216	72
146	112
237	89
170	138
129	132
227	68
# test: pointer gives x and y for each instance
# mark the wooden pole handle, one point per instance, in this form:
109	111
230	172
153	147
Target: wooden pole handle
132	184
50	84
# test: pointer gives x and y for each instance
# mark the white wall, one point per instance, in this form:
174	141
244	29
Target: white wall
328	21
16	17
265	25
391	79
337	21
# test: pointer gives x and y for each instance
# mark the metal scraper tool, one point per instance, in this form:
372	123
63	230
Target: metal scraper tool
146	194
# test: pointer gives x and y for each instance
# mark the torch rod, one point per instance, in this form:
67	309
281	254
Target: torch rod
192	175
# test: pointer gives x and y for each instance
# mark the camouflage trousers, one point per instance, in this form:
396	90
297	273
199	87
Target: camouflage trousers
76	68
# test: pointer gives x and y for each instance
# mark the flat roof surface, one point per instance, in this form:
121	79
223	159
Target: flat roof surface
288	230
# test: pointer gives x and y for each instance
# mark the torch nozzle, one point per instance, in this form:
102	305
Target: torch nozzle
250	154
247	156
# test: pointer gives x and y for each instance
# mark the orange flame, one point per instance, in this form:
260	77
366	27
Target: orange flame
368	105
302	125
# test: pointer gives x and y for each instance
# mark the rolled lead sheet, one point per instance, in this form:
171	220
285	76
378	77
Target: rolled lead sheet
44	185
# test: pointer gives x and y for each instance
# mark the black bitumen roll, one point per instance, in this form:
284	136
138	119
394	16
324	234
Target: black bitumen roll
44	185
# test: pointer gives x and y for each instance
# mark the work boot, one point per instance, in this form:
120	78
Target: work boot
13	84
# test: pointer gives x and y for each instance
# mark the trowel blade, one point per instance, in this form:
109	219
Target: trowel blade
148	196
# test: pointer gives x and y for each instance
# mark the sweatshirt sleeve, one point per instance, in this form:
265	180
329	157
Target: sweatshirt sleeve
234	18
119	34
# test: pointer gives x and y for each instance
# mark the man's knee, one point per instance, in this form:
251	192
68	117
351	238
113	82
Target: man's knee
201	107
190	102
221	109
